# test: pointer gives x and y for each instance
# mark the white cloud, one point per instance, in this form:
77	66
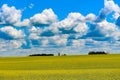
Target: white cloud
12	32
31	5
107	28
25	22
45	33
72	20
90	17
111	6
45	42
46	17
82	28
34	29
74	23
34	33
9	15
17	43
3	45
78	43
116	35
116	15
6	45
53	27
59	40
34	36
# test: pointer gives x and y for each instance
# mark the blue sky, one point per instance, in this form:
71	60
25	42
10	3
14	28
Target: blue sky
73	27
61	8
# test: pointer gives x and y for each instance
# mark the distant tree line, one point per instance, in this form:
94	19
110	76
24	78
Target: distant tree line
42	54
99	52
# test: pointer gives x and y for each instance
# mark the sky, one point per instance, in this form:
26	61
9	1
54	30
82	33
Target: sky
71	27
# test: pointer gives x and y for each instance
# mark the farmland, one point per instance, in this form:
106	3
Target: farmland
84	67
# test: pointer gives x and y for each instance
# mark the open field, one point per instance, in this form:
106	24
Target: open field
92	67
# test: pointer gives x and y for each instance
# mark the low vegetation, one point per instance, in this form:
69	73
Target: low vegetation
84	67
96	53
42	54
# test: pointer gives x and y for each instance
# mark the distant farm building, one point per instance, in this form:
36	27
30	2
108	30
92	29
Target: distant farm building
58	54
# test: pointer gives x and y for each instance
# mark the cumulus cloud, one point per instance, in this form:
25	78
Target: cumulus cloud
24	23
45	42
116	15
9	15
81	28
44	18
9	32
51	30
78	43
6	45
74	23
44	32
103	31
60	40
90	17
107	28
34	36
34	33
12	16
72	20
109	6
